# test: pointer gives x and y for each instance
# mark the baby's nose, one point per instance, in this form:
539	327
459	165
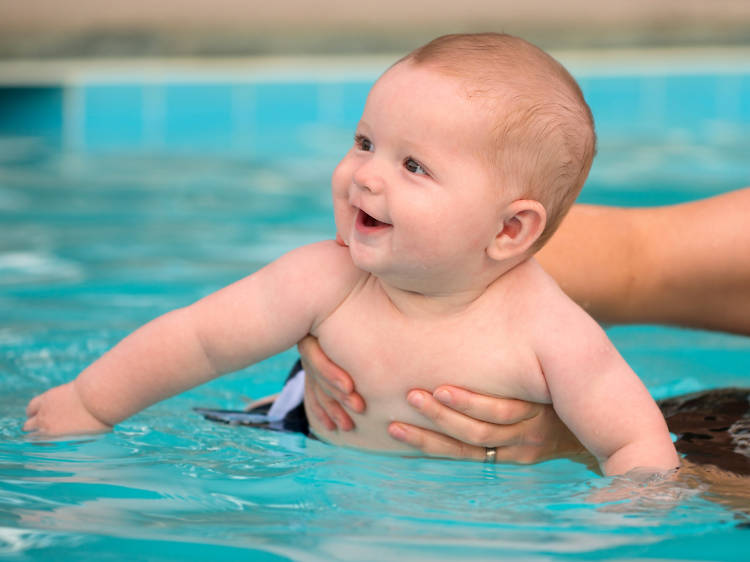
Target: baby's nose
367	176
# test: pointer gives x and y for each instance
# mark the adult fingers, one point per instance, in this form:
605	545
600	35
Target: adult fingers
333	410
352	400
333	379
318	365
502	411
525	432
460	426
317	410
434	444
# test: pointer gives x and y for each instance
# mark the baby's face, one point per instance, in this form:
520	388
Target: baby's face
415	194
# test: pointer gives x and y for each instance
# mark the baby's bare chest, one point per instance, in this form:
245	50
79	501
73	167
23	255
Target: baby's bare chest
388	353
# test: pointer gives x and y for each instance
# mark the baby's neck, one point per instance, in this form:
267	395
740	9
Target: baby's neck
426	299
417	304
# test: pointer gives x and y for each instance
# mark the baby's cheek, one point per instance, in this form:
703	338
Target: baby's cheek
344	219
340	179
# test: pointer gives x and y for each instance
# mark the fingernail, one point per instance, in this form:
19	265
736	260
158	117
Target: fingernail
443	396
352	404
416	399
397	432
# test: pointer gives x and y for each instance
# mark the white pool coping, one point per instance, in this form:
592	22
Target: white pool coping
599	62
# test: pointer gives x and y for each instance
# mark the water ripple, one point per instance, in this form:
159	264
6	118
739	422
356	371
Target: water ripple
29	267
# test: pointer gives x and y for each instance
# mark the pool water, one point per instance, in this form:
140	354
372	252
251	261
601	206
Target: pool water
109	217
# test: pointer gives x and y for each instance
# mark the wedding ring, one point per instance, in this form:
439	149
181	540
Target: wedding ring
490	454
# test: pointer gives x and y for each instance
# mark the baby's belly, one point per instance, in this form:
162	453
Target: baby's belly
385	397
371	427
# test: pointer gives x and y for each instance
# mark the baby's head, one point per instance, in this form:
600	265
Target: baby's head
469	152
542	140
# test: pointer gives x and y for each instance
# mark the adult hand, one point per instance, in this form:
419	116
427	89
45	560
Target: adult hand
330	388
521	432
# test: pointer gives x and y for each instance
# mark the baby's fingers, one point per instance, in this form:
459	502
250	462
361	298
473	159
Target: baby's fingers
33	406
30	425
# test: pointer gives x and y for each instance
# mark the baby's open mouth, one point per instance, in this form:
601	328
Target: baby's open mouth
369	221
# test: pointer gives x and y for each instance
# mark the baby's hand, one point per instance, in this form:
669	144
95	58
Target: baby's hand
643	489
59	411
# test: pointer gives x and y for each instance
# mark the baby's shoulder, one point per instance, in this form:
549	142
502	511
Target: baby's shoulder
325	273
327	261
535	292
551	311
326	252
530	278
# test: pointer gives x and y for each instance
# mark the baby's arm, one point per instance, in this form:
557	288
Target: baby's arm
598	395
244	323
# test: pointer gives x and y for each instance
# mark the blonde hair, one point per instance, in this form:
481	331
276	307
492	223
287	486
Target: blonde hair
543	130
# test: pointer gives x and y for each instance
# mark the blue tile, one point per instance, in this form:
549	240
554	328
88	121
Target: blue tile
282	118
692	100
740	92
277	118
348	101
284	104
32	111
198	116
614	101
113	116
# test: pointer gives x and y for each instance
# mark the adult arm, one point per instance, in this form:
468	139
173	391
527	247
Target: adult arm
684	265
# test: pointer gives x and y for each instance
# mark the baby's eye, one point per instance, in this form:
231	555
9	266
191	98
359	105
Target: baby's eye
363	143
414	167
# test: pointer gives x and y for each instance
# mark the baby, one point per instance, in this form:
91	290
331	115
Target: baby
469	152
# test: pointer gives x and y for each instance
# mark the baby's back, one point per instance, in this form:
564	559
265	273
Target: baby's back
486	347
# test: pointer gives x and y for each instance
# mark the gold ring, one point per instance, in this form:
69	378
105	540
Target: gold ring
490	455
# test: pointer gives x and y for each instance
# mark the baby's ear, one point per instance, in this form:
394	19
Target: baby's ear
522	224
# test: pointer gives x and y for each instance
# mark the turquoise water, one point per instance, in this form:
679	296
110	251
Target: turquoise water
118	211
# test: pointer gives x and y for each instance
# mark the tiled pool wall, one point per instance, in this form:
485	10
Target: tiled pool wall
241	117
262	117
